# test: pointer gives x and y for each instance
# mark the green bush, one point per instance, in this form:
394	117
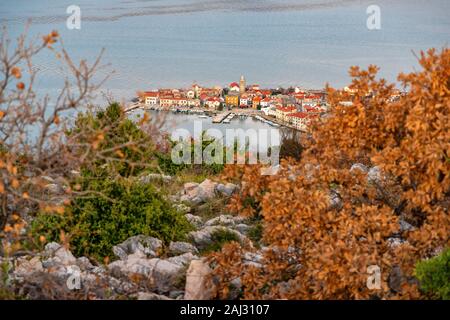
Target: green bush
434	275
94	225
136	154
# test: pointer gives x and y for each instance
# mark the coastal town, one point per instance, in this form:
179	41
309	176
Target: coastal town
294	107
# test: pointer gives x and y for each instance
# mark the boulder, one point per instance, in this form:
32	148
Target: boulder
176	294
84	263
374	175
166	274
196	221
190	186
198	283
26	267
147	245
60	267
55	254
227	189
206	190
183	259
203	237
242	228
177	248
162	274
359	167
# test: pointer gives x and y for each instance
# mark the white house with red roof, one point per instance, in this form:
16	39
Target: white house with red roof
245	101
283	112
301	120
180	102
234	87
194	103
166	101
213	102
265	102
151	98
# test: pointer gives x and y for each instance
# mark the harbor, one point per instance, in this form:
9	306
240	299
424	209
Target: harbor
224	117
220	117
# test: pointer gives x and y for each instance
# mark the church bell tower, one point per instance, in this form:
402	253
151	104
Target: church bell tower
242	85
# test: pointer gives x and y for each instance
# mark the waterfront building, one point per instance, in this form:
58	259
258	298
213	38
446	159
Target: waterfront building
256	102
194	103
213	103
151	98
234	87
299	120
232	100
265	102
166	101
283	112
245	101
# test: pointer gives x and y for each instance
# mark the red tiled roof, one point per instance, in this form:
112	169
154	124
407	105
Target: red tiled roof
286	109
300	115
151	94
312	108
234	84
266	92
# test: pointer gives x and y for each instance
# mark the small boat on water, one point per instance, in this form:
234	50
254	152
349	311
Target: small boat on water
203	116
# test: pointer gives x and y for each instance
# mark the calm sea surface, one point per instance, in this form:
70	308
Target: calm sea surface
166	43
162	43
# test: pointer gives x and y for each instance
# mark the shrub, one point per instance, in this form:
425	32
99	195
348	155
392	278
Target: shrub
123	147
111	205
407	136
434	275
124	209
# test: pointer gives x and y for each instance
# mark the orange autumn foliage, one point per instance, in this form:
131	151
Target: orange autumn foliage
325	224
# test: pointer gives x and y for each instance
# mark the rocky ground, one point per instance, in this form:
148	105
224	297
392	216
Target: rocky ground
144	268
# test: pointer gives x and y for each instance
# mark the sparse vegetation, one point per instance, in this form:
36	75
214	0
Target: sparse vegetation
434	275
